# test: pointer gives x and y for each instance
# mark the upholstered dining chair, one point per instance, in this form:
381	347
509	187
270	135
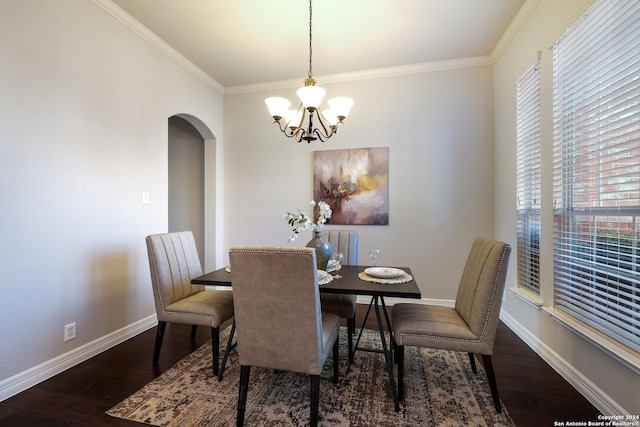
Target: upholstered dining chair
279	323
345	241
174	261
471	325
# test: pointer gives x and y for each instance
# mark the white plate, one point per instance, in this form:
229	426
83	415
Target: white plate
384	272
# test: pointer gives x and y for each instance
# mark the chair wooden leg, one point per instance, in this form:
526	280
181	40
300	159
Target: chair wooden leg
399	350
159	337
242	394
336	358
491	376
472	360
315	399
351	330
194	329
215	349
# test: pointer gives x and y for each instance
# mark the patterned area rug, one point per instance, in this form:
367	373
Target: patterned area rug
440	390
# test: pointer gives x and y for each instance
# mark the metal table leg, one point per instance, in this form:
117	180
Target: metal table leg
230	346
387	353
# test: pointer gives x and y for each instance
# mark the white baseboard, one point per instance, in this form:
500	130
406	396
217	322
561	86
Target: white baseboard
24	380
588	389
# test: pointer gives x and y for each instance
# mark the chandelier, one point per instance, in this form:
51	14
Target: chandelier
309	122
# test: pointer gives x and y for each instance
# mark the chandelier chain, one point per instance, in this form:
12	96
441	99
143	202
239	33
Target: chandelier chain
310	40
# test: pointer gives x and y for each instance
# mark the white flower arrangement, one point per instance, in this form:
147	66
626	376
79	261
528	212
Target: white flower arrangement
301	221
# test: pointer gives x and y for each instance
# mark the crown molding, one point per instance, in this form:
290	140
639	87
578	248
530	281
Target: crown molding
401	70
513	28
134	25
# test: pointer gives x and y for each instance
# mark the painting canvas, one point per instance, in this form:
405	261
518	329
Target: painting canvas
355	183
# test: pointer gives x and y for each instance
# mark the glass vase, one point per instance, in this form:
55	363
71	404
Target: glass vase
323	249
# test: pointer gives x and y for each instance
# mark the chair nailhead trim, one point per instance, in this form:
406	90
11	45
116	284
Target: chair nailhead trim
493	291
271	252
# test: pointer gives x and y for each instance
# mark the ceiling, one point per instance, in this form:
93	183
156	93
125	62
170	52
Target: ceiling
245	42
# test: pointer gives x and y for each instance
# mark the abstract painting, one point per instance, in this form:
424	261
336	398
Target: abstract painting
355	183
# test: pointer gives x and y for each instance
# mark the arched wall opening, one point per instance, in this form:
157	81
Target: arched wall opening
208	215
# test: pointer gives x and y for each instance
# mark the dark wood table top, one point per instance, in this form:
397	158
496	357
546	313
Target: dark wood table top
350	283
219	277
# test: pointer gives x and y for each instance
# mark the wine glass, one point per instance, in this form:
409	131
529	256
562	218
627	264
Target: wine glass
374	254
338	259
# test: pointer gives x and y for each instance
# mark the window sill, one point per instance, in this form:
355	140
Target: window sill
528	297
619	352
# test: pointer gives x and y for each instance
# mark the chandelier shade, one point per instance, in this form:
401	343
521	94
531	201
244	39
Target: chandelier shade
311	96
277	106
309	122
341	106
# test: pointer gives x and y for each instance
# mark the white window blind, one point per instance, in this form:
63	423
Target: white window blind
596	119
528	179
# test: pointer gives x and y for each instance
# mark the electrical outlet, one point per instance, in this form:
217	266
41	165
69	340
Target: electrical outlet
69	331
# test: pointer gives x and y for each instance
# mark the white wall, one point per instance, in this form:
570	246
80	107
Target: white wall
84	104
438	127
609	384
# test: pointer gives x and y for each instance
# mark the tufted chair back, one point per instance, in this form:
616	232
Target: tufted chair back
345	241
173	261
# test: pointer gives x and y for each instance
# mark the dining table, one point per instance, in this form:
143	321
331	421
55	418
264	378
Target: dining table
353	279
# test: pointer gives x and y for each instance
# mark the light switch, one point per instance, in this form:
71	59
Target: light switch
145	197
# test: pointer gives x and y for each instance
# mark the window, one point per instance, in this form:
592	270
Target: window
596	120
528	179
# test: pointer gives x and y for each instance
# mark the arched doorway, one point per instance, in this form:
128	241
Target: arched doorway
186	180
191	176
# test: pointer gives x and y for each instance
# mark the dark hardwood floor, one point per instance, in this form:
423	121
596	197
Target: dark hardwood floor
533	393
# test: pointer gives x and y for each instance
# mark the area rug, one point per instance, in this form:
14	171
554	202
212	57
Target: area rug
440	390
